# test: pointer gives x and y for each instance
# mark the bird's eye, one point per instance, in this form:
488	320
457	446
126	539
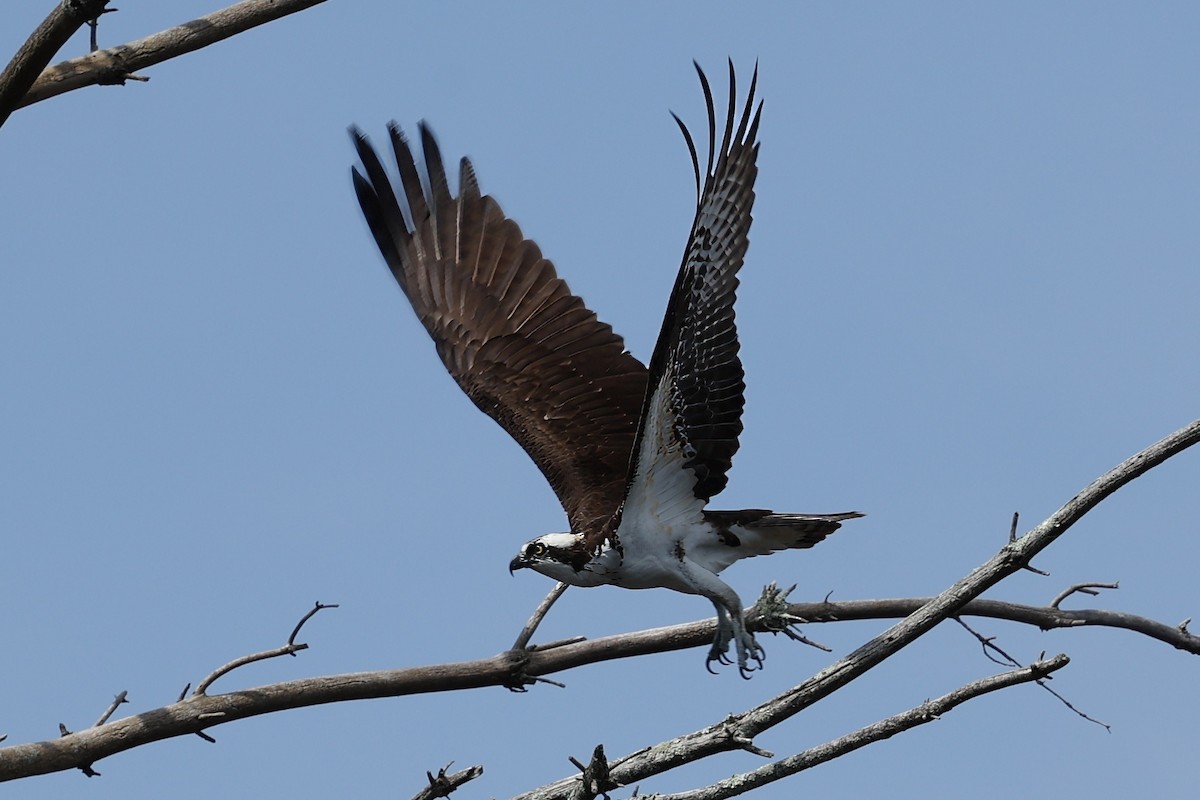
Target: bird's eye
537	549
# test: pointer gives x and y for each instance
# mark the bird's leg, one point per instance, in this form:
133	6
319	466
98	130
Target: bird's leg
720	646
747	648
732	627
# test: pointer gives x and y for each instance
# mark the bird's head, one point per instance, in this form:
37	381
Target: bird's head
555	555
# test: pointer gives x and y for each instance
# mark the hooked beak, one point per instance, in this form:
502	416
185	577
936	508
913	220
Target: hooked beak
520	562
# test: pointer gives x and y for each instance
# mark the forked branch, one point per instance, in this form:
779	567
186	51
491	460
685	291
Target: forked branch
117	64
290	648
41	46
1012	557
538	615
928	711
204	711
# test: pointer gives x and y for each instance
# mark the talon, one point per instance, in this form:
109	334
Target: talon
756	655
715	655
749	650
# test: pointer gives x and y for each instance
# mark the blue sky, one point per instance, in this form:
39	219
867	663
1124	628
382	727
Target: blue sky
971	289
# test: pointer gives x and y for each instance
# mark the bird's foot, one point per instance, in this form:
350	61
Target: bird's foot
750	653
748	650
719	652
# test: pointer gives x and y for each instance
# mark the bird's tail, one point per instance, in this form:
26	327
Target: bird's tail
797	530
756	531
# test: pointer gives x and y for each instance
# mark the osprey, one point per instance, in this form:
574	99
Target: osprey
633	453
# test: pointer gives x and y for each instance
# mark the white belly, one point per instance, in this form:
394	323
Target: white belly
652	555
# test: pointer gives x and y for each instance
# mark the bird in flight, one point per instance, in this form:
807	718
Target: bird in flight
633	453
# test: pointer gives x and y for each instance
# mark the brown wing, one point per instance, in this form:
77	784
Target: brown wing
524	349
693	413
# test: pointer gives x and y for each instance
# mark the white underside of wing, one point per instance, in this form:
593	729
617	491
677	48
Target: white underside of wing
662	489
714	555
661	511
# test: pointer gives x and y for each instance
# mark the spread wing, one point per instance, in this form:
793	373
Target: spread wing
527	352
693	414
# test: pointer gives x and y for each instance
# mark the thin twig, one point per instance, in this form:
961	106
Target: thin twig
289	649
94	24
312	612
1083	588
989	644
112	707
1070	706
1012	537
539	613
541	648
520	678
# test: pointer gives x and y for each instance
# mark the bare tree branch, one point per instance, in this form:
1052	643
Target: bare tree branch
595	778
927	712
538	615
33	56
288	649
1012	557
442	784
120	699
1044	617
196	714
989	645
1082	588
115	65
199	712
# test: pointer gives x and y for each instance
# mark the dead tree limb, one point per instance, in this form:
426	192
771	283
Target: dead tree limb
442	784
929	711
1044	617
41	46
116	64
1012	557
538	615
197	713
289	648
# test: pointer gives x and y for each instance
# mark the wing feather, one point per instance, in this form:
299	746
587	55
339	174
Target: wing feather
526	350
692	416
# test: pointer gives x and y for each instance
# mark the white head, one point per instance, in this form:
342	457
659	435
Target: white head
556	555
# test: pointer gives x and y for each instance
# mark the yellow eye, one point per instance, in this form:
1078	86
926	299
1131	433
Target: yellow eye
537	549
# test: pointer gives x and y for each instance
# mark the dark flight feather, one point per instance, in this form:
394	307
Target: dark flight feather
526	350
